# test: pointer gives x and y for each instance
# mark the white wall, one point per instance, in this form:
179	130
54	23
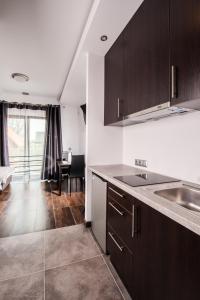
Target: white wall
103	144
171	146
73	129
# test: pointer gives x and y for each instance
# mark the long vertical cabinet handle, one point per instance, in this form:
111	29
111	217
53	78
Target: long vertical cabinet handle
118	108
173	82
133	222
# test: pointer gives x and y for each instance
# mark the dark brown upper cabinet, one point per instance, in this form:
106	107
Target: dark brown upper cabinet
185	51
155	60
147	56
114	82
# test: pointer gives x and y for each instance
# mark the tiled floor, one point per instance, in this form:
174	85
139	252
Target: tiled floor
56	264
35	206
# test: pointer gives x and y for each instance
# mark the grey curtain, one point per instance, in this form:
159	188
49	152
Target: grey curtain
4	156
53	143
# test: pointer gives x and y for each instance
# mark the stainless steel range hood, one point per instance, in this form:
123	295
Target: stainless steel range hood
152	114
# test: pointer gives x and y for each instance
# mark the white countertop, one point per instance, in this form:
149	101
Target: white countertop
181	215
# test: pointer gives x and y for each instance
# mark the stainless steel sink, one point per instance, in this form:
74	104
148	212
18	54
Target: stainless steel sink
186	197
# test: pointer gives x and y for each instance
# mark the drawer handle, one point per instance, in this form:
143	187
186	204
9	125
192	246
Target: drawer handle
116	243
116	192
116	209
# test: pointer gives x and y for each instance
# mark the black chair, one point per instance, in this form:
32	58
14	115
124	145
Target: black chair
77	170
63	171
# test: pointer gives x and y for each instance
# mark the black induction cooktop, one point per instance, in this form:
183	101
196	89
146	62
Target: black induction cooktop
145	179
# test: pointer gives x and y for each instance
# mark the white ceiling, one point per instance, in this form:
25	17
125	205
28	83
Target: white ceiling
75	88
48	40
39	38
109	17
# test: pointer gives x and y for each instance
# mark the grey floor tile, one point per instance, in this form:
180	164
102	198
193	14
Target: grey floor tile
85	280
21	255
28	287
70	244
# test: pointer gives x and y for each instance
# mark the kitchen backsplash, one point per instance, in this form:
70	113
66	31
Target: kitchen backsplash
171	146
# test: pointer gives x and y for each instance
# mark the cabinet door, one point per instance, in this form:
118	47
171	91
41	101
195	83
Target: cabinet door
147	56
167	259
185	49
114	82
151	253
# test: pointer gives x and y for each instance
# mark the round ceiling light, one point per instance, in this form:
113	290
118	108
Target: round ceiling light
104	38
20	77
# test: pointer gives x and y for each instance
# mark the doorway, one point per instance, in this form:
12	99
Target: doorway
26	136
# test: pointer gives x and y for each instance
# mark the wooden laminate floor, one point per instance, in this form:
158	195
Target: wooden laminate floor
34	206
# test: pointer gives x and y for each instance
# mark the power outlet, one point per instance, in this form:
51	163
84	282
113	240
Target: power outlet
141	163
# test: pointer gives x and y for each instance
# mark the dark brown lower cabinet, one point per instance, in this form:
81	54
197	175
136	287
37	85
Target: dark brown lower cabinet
121	221
121	258
163	260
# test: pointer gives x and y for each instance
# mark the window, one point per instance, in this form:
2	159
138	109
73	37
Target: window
26	143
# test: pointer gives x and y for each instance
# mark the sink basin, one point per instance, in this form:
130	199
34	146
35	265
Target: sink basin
186	197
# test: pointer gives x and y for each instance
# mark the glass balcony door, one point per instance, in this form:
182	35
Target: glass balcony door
26	145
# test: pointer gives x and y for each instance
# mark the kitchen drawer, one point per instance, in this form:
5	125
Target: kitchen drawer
121	221
121	258
121	197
